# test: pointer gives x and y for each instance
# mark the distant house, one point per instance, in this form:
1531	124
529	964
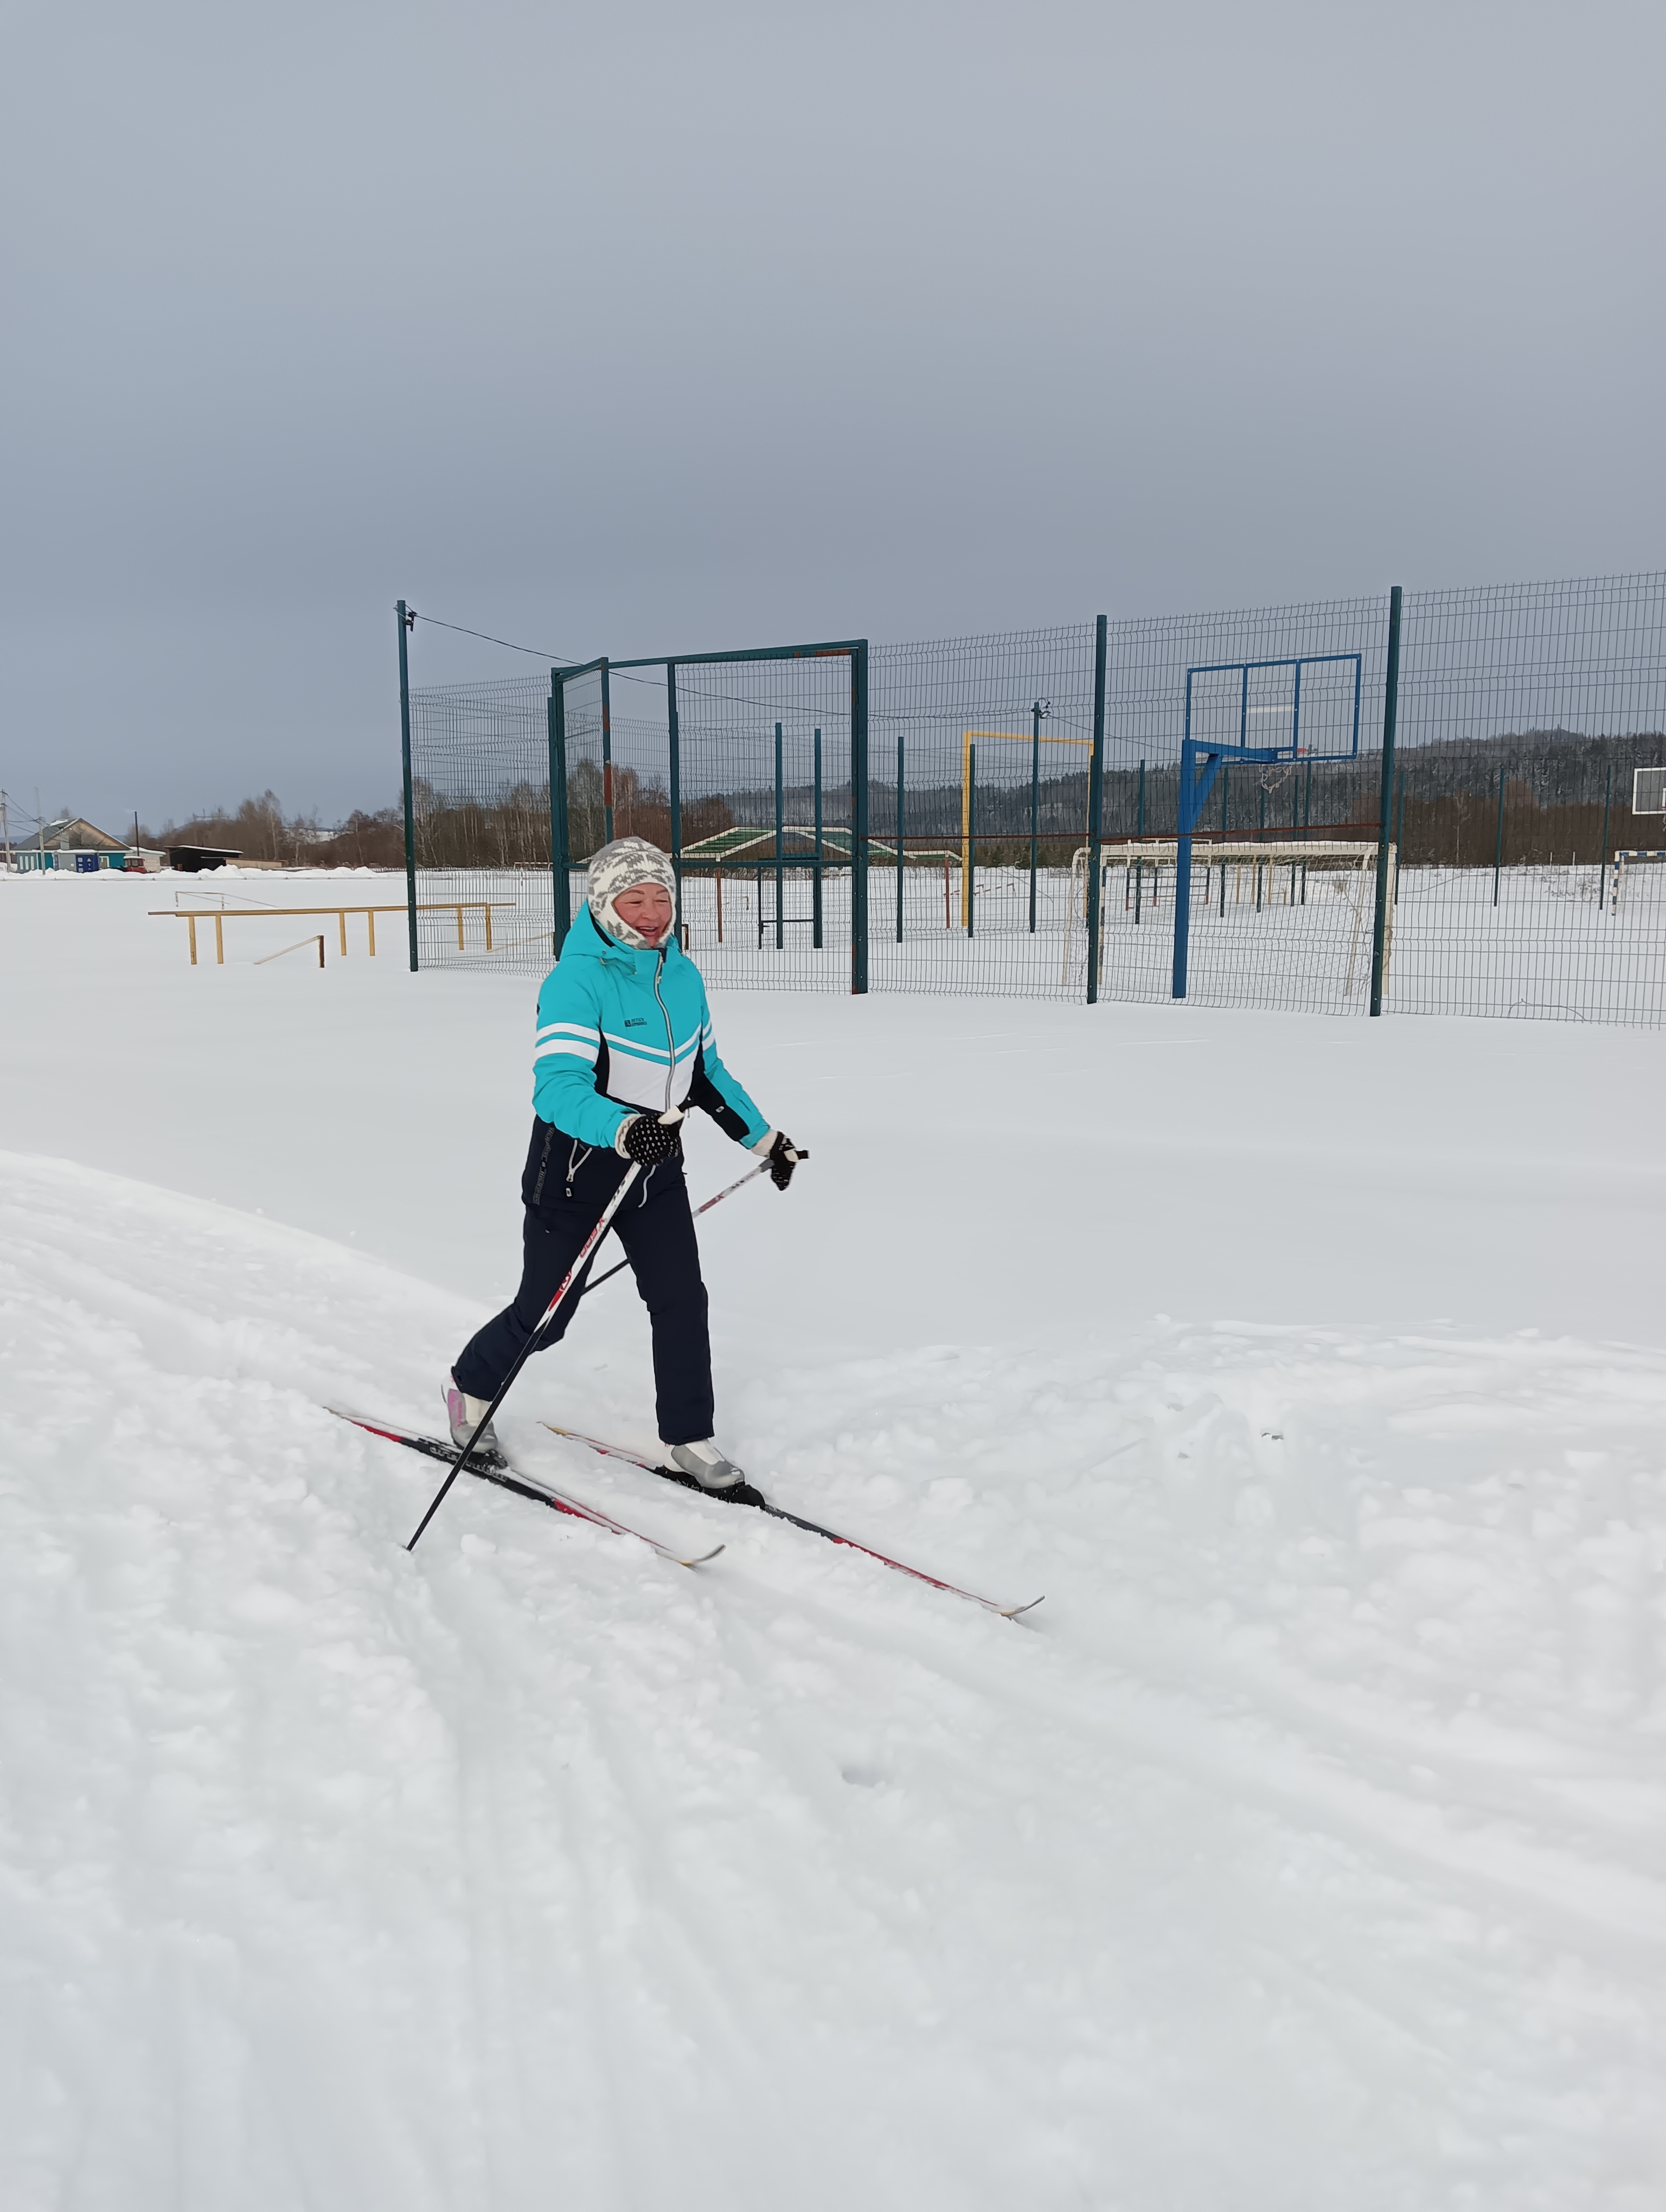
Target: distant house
80	847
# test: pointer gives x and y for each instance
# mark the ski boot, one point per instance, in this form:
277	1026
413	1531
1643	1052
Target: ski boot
462	1415
703	1467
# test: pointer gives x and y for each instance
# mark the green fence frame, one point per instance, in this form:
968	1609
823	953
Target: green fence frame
853	649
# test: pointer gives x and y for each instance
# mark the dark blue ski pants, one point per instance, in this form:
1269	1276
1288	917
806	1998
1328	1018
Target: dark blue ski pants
565	1186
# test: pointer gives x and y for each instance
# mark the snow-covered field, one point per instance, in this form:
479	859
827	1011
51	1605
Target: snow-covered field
1303	1850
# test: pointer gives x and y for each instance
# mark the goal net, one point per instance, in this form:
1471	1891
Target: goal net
1304	903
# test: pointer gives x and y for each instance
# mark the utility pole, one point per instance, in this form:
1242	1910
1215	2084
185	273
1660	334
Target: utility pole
5	831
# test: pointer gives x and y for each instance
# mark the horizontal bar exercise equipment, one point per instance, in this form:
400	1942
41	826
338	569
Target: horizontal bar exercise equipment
218	916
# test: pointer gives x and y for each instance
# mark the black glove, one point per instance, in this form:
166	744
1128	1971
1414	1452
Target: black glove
782	1156
647	1141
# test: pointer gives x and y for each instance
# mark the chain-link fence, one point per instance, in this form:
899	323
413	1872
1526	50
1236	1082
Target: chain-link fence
918	817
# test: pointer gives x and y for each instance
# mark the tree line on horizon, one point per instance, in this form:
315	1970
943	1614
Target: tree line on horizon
260	830
1560	790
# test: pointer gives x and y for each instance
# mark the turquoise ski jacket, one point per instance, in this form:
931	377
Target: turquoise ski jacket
622	1032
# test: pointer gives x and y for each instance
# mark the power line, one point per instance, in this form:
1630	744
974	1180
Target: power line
535	651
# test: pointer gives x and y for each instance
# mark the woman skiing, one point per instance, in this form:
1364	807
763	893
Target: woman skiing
624	1036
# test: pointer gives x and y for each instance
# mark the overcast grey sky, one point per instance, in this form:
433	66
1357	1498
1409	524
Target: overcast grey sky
639	327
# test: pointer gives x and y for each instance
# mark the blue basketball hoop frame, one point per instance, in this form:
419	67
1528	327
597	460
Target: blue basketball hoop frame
1202	758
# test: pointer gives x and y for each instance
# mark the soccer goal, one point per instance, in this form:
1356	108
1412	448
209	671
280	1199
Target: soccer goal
1648	797
1624	864
1270	879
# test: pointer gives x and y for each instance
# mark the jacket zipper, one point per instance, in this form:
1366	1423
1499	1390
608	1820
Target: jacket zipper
671	1040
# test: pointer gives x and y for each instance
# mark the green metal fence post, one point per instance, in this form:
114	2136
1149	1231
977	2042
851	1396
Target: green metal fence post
901	850
560	888
859	817
1498	849
815	873
1391	714
1096	807
1139	833
971	840
674	763
607	758
1035	802
780	919
406	620
1603	878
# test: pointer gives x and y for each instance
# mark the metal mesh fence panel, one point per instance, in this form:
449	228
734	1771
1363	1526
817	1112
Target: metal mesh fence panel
480	795
978	783
764	805
1261	933
1524	711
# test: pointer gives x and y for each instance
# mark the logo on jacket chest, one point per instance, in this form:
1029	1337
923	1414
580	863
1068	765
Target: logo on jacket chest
635	1021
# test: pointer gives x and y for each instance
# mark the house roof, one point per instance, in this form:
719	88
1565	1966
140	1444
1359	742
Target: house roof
71	833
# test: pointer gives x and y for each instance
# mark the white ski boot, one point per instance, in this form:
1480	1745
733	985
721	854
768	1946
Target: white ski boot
463	1416
703	1467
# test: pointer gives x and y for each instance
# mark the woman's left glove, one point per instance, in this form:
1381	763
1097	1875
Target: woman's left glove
781	1156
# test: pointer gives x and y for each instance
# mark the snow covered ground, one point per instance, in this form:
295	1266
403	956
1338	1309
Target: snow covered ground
1302	1850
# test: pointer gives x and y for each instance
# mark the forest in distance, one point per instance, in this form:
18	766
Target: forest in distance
1541	798
259	830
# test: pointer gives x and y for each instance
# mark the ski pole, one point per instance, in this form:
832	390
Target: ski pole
750	1176
567	1281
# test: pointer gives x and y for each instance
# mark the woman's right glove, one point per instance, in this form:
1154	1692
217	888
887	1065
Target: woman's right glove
648	1138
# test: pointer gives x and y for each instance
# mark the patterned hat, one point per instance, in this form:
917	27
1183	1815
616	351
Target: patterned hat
621	866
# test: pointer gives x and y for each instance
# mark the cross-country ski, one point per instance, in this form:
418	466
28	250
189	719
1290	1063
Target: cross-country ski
750	1495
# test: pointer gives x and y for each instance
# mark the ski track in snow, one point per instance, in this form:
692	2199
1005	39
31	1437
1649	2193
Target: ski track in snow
1302	1850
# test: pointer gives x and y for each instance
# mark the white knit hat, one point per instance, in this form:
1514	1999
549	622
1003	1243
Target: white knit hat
621	866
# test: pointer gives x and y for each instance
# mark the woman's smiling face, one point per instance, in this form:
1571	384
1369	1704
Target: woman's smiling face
646	908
